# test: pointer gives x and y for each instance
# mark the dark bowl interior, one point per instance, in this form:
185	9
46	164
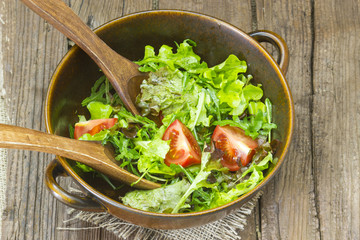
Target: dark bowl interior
129	35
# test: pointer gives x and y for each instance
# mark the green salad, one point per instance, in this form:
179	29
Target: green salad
204	132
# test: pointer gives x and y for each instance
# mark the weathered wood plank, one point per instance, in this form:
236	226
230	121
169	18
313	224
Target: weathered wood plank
288	208
336	115
315	196
235	12
31	51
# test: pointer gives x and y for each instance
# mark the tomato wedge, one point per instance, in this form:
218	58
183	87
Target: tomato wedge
184	149
235	145
93	126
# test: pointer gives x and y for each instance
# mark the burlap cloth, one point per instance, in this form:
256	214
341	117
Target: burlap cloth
224	229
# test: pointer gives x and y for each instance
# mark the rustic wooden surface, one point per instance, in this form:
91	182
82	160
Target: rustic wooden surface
317	193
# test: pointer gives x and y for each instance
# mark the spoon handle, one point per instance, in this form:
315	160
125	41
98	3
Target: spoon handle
92	154
117	68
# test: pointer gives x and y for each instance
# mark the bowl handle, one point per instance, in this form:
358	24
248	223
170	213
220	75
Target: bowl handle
55	170
278	42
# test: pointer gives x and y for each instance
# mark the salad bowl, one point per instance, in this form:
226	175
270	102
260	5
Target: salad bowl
76	74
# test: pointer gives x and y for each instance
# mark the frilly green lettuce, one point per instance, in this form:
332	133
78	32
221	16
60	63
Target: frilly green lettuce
182	87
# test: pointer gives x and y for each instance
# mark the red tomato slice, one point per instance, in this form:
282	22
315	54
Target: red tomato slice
93	126
235	145
184	149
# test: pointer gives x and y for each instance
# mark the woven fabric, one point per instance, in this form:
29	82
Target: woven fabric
227	228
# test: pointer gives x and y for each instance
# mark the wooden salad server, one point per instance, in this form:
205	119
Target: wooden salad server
93	154
122	73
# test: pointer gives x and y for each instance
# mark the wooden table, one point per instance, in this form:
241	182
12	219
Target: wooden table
317	193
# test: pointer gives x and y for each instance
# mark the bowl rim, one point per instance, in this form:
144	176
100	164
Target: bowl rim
101	198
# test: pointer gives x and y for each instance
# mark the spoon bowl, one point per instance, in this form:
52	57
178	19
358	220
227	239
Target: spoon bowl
119	70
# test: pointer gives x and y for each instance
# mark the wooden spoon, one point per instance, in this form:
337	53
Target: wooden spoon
92	154
122	73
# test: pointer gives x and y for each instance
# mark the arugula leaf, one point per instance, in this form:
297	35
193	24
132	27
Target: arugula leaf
128	117
97	92
84	167
269	115
198	182
124	149
198	114
215	100
256	176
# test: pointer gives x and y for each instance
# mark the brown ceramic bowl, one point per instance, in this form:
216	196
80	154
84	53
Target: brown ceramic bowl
128	35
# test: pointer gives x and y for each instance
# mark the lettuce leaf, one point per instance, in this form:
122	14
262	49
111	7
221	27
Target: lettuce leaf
99	110
100	136
184	58
230	93
162	200
226	72
152	157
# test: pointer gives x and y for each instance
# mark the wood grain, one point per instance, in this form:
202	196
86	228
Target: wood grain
238	13
336	117
315	196
289	212
31	50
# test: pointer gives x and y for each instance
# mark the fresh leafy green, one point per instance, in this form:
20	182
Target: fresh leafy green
101	136
226	72
99	110
84	167
182	87
198	182
157	200
152	157
184	58
97	92
256	176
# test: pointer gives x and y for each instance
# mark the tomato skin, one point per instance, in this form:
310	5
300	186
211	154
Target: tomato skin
184	149
235	145
93	126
